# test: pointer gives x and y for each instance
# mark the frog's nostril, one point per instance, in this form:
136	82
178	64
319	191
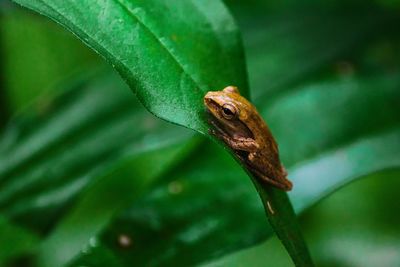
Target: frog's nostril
209	101
209	95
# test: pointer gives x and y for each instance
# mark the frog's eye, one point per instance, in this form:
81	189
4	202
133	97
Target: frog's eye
228	111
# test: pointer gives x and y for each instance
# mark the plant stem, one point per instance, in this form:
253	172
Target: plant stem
283	220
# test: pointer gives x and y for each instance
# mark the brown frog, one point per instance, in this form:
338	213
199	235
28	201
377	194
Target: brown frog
237	123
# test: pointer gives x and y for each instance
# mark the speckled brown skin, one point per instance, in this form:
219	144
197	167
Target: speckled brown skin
237	122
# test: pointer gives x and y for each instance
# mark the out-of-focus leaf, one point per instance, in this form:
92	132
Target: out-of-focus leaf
48	158
170	53
216	210
112	192
106	257
188	213
268	253
337	234
285	47
367	224
42	169
4	106
200	224
326	115
36	54
95	133
14	240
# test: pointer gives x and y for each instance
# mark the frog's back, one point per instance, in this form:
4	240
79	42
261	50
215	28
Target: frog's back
269	152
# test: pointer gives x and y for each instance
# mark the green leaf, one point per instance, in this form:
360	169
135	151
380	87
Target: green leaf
170	54
335	231
287	46
325	124
201	227
283	221
43	54
114	152
94	210
185	45
15	240
206	219
371	226
191	209
52	152
216	210
182	215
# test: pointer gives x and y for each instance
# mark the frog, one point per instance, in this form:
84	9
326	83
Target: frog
235	121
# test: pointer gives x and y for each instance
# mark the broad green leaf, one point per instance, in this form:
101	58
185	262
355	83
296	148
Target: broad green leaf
170	53
216	210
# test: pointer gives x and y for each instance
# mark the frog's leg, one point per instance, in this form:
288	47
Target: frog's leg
238	143
241	143
267	172
281	183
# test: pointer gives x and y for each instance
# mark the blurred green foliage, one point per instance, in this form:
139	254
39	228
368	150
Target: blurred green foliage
79	159
37	56
344	226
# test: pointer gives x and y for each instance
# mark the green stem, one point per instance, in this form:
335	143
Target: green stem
283	220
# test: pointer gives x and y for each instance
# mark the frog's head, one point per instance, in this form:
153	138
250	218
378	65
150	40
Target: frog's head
230	111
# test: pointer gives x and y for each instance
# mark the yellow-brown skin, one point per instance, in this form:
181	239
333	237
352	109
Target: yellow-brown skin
237	122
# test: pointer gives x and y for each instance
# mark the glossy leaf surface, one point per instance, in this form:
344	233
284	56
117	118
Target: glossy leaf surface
169	58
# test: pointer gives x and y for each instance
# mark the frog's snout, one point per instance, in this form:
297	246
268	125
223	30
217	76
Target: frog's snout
209	96
209	99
